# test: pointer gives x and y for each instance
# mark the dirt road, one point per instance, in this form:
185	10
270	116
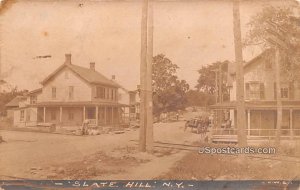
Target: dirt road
34	155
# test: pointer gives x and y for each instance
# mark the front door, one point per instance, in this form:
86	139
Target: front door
91	113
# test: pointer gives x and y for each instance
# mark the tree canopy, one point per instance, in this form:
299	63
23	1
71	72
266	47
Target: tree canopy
169	91
207	77
5	97
283	19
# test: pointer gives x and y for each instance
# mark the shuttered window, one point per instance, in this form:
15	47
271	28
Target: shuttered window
22	115
291	88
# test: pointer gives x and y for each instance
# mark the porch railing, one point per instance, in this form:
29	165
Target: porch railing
258	132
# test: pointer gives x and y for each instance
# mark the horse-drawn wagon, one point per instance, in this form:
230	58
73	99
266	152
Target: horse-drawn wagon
200	124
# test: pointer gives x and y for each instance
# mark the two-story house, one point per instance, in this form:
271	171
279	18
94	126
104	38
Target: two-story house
261	101
70	95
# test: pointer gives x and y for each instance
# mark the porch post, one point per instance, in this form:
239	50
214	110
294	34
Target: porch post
83	113
104	115
112	115
97	115
44	114
248	121
119	118
291	124
60	115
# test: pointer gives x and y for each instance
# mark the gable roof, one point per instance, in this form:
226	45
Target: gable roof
90	76
15	101
256	59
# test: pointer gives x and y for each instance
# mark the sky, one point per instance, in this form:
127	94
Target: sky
190	33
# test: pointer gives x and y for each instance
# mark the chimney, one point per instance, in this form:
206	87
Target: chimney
92	66
113	77
68	58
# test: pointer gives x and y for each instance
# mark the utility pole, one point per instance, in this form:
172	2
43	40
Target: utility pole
220	94
216	85
240	107
278	100
143	74
149	103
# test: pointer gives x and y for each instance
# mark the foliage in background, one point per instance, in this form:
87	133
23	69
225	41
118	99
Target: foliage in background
169	91
201	99
6	97
207	78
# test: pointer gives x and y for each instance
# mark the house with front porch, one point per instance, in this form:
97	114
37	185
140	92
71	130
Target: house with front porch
70	95
261	102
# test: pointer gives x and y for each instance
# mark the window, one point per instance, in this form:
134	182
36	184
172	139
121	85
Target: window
53	92
116	95
284	92
112	94
22	115
71	115
28	115
100	92
107	93
33	99
132	97
255	91
132	110
53	115
71	92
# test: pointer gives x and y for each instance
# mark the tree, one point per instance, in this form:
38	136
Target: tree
207	78
198	98
282	18
169	91
5	97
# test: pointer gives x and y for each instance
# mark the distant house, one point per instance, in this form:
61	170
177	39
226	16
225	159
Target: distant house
13	104
130	98
260	101
70	95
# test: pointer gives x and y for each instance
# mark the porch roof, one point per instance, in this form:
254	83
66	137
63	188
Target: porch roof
290	104
75	104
